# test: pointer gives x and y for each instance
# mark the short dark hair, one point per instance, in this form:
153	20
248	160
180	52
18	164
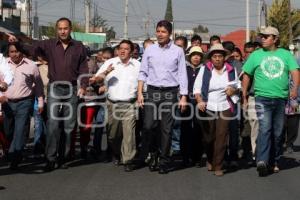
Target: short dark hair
214	38
129	43
166	24
19	48
64	19
249	45
228	45
236	49
196	37
108	50
136	46
182	38
148	41
257	44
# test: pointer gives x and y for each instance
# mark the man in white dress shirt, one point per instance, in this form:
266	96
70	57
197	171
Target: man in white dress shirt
121	77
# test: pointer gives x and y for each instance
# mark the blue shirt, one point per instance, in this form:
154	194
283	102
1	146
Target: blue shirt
164	67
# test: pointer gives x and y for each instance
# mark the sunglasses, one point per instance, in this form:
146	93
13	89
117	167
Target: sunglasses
265	36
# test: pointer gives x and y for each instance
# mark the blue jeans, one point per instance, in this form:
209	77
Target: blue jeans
270	113
176	132
17	117
39	127
234	135
97	142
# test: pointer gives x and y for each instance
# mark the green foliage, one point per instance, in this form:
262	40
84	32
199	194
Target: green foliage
98	21
169	11
278	17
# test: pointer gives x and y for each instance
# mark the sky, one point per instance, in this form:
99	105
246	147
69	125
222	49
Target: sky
220	16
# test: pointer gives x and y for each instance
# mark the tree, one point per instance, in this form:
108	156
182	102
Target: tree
278	17
200	29
169	12
98	22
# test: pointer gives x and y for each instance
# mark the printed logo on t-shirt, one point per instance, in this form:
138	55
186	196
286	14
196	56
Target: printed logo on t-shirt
272	67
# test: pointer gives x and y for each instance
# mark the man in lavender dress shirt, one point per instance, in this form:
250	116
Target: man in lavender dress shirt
163	69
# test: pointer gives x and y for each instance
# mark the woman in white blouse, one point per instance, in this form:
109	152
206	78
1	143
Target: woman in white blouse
215	90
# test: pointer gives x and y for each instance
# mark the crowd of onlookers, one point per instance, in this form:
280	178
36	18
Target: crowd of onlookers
172	102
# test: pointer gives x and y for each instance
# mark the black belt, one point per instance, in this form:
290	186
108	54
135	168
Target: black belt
73	83
20	99
162	88
125	101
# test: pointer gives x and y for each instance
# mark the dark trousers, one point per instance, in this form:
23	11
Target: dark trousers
16	119
215	136
233	145
158	113
191	136
62	118
291	129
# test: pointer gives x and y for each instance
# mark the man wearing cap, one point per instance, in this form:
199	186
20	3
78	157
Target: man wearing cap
163	69
270	68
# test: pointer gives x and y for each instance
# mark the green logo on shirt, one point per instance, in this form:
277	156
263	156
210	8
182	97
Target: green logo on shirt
272	67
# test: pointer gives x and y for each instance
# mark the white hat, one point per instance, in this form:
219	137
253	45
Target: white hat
269	31
216	47
195	49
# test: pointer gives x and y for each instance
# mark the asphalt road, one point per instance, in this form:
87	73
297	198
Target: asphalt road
104	181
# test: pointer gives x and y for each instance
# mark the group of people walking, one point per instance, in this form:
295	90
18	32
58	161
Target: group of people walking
139	100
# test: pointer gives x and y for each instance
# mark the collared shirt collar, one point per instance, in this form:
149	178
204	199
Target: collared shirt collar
71	42
167	46
223	69
130	61
22	61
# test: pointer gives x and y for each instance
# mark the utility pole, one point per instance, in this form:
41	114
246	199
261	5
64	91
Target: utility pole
36	21
147	24
94	16
265	7
72	10
247	22
126	21
259	13
87	6
290	23
1	3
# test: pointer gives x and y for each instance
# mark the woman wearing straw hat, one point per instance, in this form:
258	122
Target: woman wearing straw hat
215	91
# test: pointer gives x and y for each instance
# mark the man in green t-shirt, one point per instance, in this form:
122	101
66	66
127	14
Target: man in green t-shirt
270	68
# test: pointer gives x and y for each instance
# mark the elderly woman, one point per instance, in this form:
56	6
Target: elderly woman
190	130
215	91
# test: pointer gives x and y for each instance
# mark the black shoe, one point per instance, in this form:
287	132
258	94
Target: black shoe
128	167
153	162
84	154
262	169
50	166
14	165
163	169
62	165
117	162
